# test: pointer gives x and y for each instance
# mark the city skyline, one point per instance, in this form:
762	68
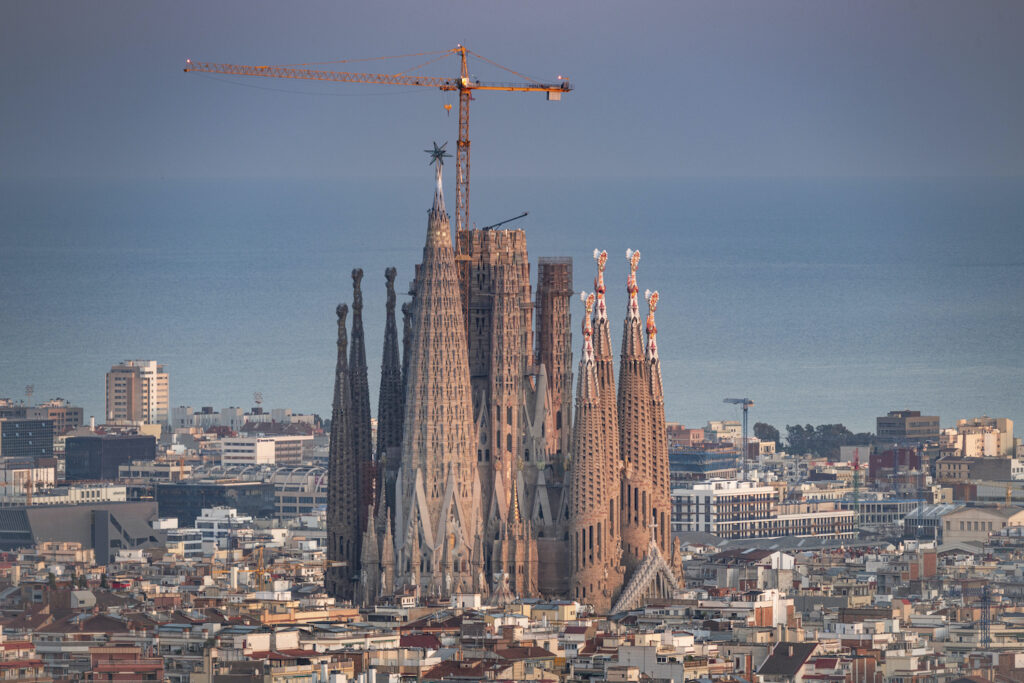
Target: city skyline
764	280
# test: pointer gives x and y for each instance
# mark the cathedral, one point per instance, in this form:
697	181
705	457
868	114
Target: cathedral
488	474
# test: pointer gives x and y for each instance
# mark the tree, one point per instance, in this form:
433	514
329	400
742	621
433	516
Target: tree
823	441
799	438
766	432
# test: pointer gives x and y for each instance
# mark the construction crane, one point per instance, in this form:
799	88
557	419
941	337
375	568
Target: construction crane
524	214
462	84
745	403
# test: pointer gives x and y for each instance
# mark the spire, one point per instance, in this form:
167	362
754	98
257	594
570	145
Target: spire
438	490
593	535
632	336
601	257
660	477
632	310
390	399
652	329
588	329
369	554
387	558
362	439
635	429
406	343
438	192
342	495
438	230
514	516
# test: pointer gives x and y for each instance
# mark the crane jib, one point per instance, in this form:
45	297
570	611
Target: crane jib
464	84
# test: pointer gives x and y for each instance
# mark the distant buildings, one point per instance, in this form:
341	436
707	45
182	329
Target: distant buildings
137	391
264	450
99	456
26	439
732	509
65	417
907	425
1002	427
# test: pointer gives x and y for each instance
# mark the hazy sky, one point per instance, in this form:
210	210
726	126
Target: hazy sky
663	89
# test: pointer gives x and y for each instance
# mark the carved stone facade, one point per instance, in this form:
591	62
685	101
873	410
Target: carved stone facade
494	278
359	422
343	532
493	485
594	539
643	442
438	489
390	404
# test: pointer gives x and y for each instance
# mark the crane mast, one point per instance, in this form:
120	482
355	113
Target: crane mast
463	84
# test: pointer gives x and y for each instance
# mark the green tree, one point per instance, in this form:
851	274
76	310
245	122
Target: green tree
766	432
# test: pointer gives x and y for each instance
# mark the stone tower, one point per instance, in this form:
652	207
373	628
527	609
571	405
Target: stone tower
438	514
494	278
596	574
604	363
359	424
635	438
343	529
661	494
544	482
390	401
554	351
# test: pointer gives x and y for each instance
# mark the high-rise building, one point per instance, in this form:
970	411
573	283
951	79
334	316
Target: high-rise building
137	392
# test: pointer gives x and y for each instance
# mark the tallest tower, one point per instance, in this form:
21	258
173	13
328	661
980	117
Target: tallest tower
438	518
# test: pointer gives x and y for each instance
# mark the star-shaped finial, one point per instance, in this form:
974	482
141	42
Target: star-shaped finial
438	154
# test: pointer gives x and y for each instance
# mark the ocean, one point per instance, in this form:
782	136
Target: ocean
821	300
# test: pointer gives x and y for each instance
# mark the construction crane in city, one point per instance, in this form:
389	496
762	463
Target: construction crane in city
524	214
463	84
745	403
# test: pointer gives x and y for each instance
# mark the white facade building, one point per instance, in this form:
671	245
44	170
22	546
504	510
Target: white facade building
264	450
70	495
219	524
718	431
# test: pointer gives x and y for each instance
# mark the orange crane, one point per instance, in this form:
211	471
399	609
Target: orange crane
462	84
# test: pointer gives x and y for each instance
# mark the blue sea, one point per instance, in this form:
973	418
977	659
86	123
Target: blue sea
822	300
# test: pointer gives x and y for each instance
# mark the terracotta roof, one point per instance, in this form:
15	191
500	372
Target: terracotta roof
518	653
479	669
20	663
424	640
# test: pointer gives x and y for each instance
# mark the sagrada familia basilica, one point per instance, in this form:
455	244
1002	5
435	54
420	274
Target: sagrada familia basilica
482	480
